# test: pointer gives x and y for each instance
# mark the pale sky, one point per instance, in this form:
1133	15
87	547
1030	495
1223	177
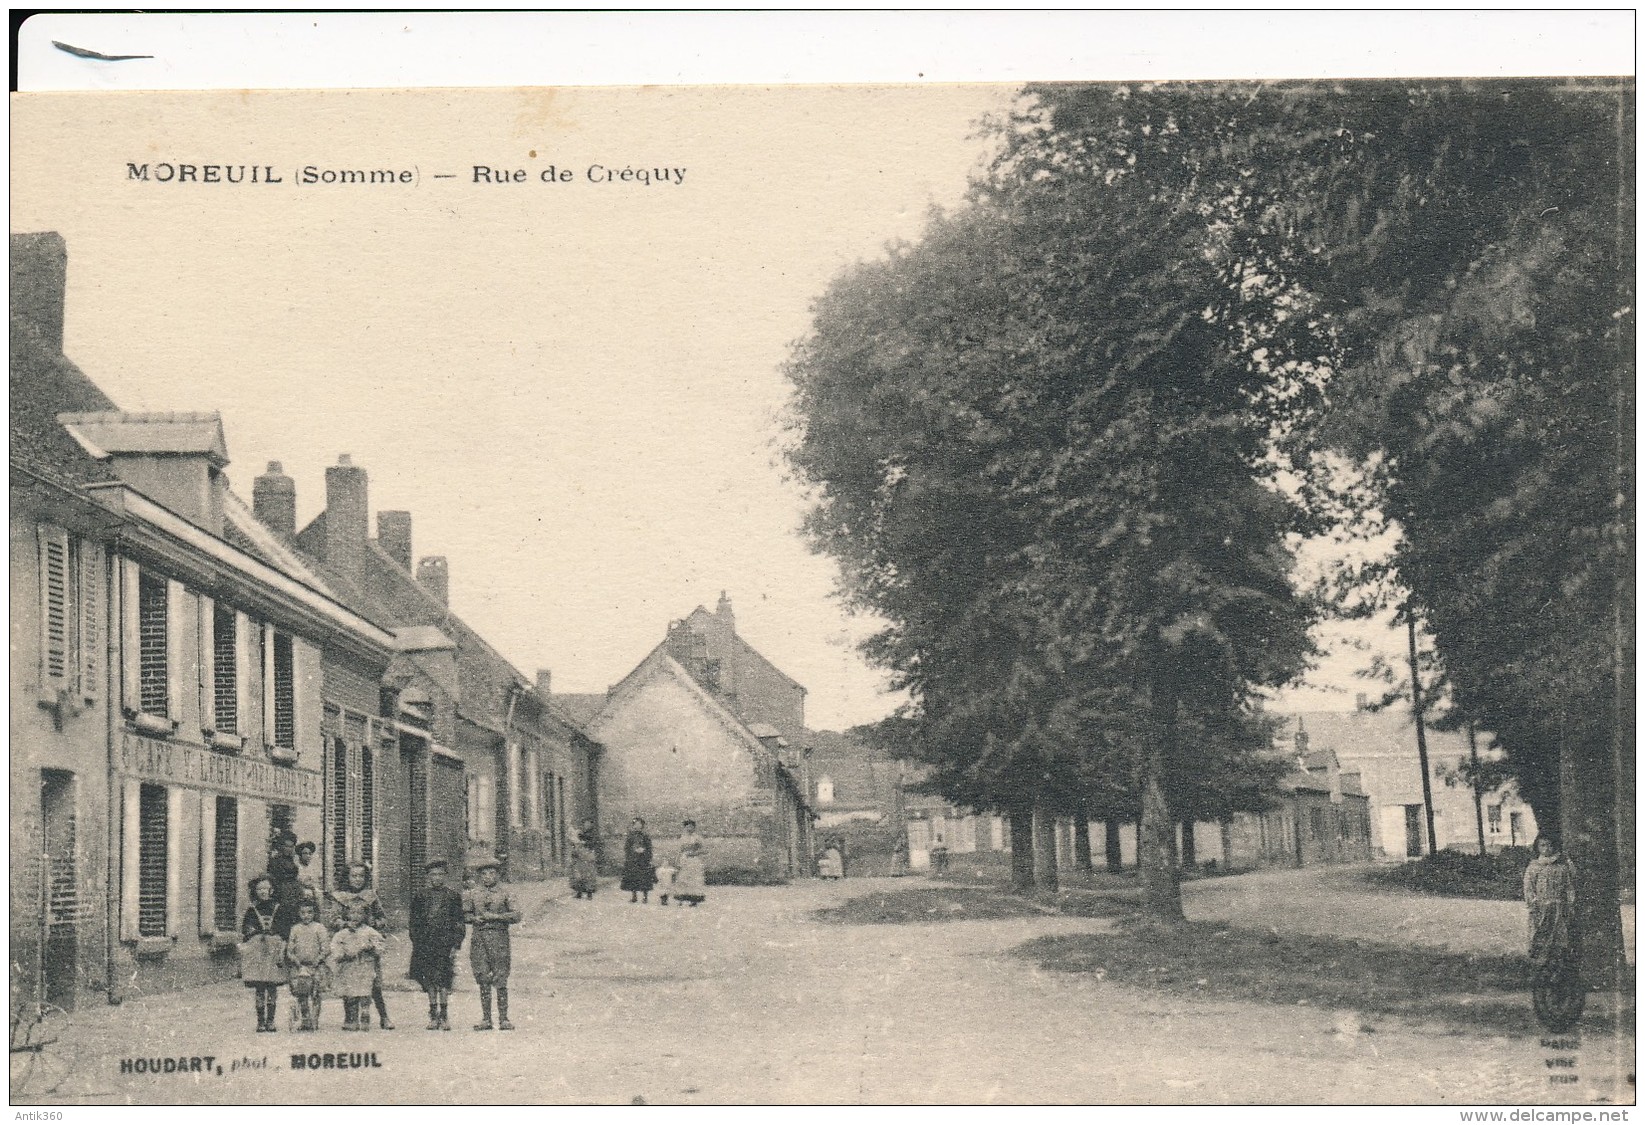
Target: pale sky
573	387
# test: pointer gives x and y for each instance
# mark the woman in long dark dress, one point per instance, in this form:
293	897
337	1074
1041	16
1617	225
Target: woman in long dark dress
639	870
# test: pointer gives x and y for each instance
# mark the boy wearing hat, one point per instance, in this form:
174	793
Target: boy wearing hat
491	912
436	935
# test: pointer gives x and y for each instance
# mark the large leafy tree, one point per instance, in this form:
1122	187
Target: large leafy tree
1037	442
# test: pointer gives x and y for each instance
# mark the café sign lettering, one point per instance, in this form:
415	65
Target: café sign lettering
178	763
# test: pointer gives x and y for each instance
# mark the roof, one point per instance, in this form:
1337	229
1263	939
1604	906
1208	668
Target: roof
114	431
420	638
1361	735
582	707
43	384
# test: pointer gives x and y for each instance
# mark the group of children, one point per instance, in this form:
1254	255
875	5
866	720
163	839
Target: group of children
345	958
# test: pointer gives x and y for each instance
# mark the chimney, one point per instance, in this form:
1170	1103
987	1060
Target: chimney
435	578
39	276
274	501
723	611
394	536
348	516
1360	701
544	680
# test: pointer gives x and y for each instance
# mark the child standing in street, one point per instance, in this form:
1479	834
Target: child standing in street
360	891
491	912
436	935
263	950
356	964
306	950
665	880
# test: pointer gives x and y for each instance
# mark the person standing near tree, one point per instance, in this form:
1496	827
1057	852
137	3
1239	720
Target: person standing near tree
639	873
1550	903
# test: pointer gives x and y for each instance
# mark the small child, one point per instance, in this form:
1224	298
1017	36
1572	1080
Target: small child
263	950
306	950
665	880
360	890
491	912
356	962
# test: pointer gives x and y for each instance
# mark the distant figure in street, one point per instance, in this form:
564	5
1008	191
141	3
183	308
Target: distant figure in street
639	876
1550	903
436	935
306	950
360	893
263	950
283	871
665	880
491	912
356	965
585	865
829	867
939	855
689	882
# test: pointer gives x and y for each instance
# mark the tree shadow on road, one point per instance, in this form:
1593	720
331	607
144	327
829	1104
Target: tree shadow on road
1470	992
925	904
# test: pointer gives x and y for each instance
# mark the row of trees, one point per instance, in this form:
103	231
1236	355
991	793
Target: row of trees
1066	445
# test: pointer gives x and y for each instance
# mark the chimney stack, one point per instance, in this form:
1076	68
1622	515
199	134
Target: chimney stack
434	577
723	611
274	501
394	536
39	277
544	679
348	516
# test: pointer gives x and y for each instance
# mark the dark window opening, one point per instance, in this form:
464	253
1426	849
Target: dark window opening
225	687
152	686
152	860
285	697
225	850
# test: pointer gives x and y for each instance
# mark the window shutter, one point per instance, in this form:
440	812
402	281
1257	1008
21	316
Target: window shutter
268	685
514	784
131	825
207	908
130	657
244	663
205	643
90	578
56	661
174	860
176	648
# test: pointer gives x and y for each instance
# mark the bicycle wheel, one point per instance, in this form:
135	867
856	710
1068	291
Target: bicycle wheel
1558	998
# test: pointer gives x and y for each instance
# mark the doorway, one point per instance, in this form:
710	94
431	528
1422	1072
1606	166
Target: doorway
60	900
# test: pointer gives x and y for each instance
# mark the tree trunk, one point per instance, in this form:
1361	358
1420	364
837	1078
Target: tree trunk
1082	842
1589	820
1045	849
1227	845
1022	850
1479	807
1422	734
1112	855
1161	889
1189	856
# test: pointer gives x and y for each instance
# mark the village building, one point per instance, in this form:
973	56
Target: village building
857	796
705	728
1381	747
476	759
167	697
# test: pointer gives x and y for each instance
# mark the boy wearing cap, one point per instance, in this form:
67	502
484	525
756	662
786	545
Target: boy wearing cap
436	935
491	912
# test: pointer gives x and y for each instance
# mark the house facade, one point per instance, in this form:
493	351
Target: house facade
705	728
186	712
470	756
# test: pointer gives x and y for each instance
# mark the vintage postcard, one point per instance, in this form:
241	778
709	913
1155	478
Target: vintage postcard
1107	594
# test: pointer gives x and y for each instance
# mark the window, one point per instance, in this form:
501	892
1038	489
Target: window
533	790
225	851
825	790
339	812
285	693
55	659
152	670
153	861
1493	814
1316	823
225	675
513	751
368	805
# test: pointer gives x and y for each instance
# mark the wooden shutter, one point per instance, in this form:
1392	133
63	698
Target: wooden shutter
268	685
56	661
174	860
90	580
206	911
130	632
245	662
176	648
131	846
205	644
513	752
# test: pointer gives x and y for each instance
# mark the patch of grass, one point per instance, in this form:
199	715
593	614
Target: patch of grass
921	905
1487	993
1453	874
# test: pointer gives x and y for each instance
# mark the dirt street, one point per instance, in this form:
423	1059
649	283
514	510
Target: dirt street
750	999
